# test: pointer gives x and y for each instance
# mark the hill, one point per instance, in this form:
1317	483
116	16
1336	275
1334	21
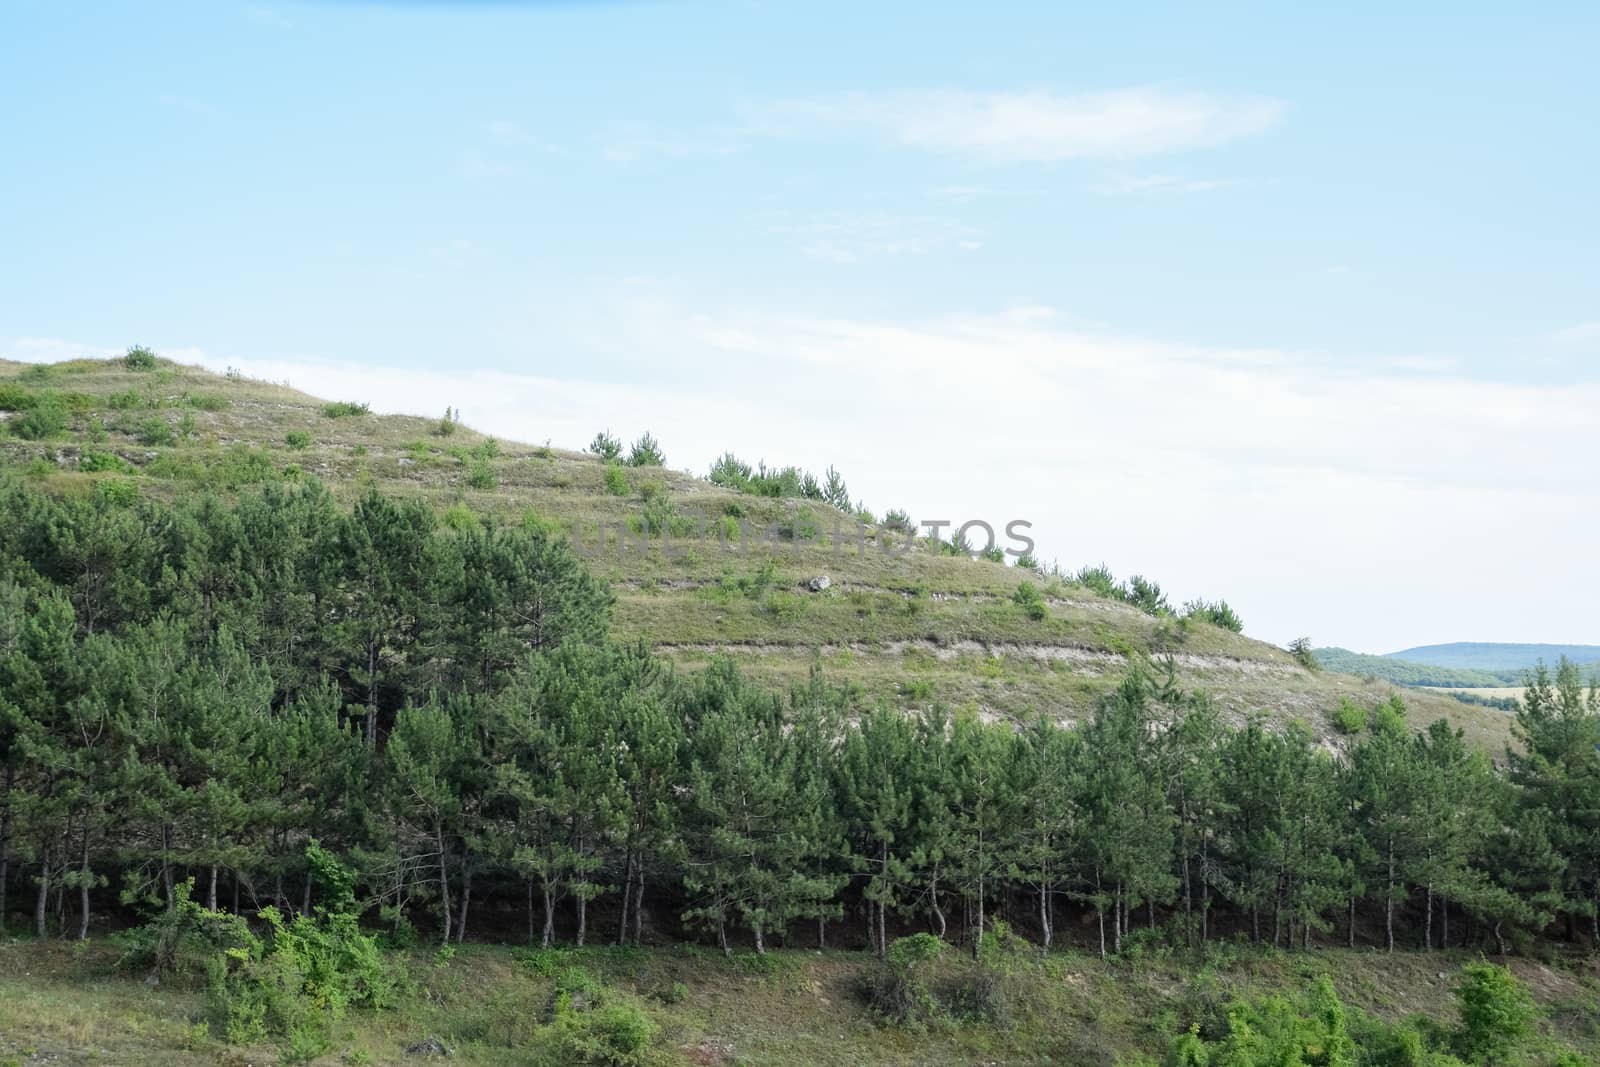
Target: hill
904	627
1495	657
1405	672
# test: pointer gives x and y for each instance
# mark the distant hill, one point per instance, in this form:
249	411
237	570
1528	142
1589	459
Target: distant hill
1458	666
1493	656
1406	672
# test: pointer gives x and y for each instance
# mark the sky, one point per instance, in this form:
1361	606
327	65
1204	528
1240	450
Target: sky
1297	308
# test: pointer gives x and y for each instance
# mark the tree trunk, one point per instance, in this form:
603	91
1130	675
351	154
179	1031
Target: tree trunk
5	848
822	932
1046	933
466	902
530	911
1188	902
627	899
1427	924
83	888
1444	921
933	899
1388	904
722	934
372	698
1352	922
1117	923
583	913
883	921
638	903
166	868
761	942
549	917
305	895
211	890
444	881
41	904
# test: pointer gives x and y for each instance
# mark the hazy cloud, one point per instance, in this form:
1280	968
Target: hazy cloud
1032	126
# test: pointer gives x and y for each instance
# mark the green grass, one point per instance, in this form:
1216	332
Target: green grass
67	1003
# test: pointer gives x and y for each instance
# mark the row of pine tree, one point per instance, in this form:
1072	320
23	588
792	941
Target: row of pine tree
193	691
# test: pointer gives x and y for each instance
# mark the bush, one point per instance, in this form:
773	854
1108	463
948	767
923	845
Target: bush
41	422
298	439
155	431
898	521
1217	614
616	479
344	409
126	400
617	1035
94	462
646	452
16	398
208	402
1349	717
1030	600
1300	649
482	476
606	446
1496	1013
302	977
139	358
447	425
898	991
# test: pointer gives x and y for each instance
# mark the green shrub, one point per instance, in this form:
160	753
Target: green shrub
459	517
125	400
93	462
447	425
208	402
302	976
41	422
139	358
155	431
1030	600
1300	649
898	521
488	448
344	409
646	452
482	476
617	1035
1497	1012
297	439
1217	614
14	397
1349	717
616	479
606	446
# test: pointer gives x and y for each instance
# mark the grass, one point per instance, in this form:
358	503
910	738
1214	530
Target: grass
66	1003
881	604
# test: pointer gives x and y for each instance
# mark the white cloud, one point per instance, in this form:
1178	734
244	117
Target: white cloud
1582	333
1032	126
630	142
842	237
1125	184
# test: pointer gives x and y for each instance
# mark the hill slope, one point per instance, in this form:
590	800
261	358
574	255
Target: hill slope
907	629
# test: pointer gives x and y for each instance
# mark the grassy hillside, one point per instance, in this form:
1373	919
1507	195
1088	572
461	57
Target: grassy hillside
62	1004
908	630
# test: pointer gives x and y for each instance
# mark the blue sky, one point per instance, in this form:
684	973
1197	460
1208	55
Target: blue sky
1293	307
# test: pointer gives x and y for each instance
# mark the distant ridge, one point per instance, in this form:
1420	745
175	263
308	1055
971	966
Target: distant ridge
1494	656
